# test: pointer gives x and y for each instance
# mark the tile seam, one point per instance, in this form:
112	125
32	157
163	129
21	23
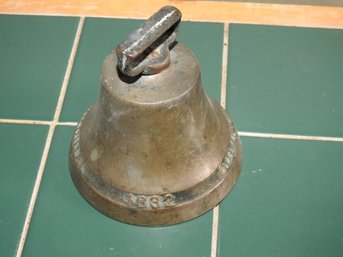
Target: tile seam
67	123
48	142
224	65
214	239
241	133
215	219
29	122
37	122
68	71
35	192
288	136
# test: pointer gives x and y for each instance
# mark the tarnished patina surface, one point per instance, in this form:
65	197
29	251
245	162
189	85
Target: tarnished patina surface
154	149
146	49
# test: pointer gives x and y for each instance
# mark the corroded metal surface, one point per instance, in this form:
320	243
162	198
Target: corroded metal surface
154	149
146	49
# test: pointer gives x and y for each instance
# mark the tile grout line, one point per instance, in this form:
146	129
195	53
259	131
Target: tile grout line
215	220
67	123
37	122
224	65
241	133
214	240
288	136
68	71
29	122
48	142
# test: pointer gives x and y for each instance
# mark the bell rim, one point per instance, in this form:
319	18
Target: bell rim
157	209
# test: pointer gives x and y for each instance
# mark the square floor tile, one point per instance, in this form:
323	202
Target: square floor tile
286	80
21	147
100	36
64	224
34	53
287	201
206	42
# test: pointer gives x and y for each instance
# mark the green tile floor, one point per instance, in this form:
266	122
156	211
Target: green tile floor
288	200
34	52
286	80
21	147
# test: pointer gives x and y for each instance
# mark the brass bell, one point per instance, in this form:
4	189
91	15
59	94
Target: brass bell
154	149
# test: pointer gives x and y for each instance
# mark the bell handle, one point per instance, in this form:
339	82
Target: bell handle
146	50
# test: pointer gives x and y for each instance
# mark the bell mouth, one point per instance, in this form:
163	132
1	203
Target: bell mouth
157	209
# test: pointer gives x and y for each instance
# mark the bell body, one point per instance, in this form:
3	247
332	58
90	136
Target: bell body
155	149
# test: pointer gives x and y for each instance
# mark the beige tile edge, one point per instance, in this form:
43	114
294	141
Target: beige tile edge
193	10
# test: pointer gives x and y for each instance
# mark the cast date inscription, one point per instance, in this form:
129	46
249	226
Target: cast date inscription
149	201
